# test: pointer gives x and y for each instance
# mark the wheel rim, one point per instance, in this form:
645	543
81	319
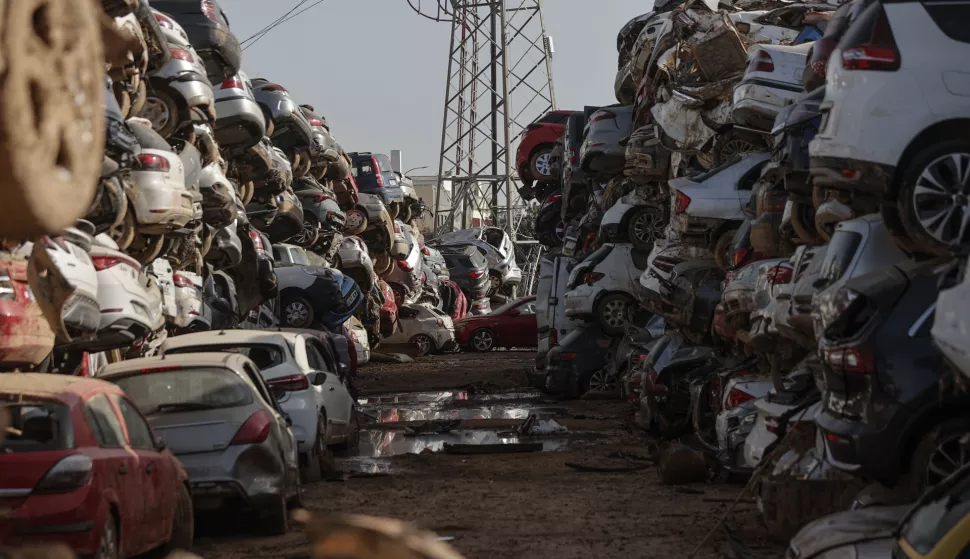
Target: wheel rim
156	111
107	546
940	198
947	458
424	344
614	314
735	147
354	220
601	382
649	226
482	340
543	164
297	313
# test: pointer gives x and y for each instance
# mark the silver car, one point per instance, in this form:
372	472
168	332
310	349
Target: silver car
240	122
497	248
215	412
601	155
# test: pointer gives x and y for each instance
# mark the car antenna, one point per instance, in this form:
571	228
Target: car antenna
222	332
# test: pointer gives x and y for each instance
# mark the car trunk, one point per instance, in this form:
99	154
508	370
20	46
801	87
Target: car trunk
193	432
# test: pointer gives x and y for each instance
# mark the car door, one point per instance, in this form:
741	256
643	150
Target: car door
153	470
518	327
336	399
121	472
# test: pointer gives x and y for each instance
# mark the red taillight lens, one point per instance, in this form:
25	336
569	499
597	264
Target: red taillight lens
476	274
161	369
315	122
319	198
233	83
292	383
593	277
878	51
257	241
761	62
603	115
105	262
440	323
665	263
274	87
255	430
181	281
780	274
402	264
851	360
739	257
737	397
164	21
425	251
152	162
680	206
209	9
182	54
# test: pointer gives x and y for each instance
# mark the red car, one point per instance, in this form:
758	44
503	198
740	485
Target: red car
511	325
388	310
26	338
81	466
532	159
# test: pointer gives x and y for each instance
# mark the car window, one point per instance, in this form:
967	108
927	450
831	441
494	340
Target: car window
186	389
314	358
363	168
139	434
528	307
104	422
264	356
841	251
747	181
599	254
385	164
953	19
35	426
407	312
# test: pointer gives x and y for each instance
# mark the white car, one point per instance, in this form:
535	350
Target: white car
160	201
192	313
632	219
304	380
643	48
425	326
772	81
893	120
130	302
603	287
358	335
162	271
354	260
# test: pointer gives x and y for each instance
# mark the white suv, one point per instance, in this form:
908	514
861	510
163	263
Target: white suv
895	120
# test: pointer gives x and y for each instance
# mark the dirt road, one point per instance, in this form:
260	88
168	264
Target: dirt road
509	505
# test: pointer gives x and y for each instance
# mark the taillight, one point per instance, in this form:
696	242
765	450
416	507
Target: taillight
274	87
320	198
257	241
593	277
665	263
315	122
440	323
152	162
209	9
425	251
164	21
69	474
182	54
602	115
255	430
780	274
851	360
761	62
105	262
402	264
377	171
476	274
7	291
563	357
233	83
737	397
680	205
181	281
292	383
878	51
739	257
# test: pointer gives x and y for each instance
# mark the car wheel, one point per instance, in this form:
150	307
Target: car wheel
353	433
731	145
297	312
803	222
108	541
601	381
314	470
310	233
482	340
646	226
383	264
163	112
934	200
722	249
276	520
424	344
541	164
405	214
183	525
613	313
938	454
355	223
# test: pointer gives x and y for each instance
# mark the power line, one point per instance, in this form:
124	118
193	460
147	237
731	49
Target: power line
266	29
286	17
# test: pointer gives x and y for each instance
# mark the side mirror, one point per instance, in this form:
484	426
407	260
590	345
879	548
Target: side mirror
515	312
318	379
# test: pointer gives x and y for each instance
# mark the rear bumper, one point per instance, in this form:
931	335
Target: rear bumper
74	519
757	102
851	174
580	301
251	474
867	450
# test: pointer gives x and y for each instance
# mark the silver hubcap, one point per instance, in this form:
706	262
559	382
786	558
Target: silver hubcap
482	340
543	165
614	314
354	220
735	147
948	457
601	382
157	112
423	343
941	196
297	313
649	226
107	545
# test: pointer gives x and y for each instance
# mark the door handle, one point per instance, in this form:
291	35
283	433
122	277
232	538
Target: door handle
123	470
149	468
332	388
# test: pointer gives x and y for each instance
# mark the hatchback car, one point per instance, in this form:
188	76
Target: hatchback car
511	325
375	175
602	156
208	30
240	123
468	268
429	329
771	82
532	157
82	467
603	287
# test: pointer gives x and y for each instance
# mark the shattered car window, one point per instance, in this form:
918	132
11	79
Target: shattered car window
36	426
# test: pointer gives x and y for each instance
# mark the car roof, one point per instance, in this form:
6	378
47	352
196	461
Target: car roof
223	337
61	387
221	360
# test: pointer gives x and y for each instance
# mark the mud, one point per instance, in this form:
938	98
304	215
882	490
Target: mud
510	505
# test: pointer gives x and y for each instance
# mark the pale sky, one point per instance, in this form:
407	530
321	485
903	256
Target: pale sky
376	70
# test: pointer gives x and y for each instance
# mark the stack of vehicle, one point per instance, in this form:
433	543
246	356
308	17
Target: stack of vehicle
750	247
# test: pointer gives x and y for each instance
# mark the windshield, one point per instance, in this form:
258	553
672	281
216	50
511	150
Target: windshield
36	426
265	356
186	390
505	307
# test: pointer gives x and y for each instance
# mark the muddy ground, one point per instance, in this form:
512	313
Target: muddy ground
509	505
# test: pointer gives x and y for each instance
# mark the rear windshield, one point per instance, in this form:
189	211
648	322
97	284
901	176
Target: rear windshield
186	390
459	262
265	356
34	426
841	251
385	164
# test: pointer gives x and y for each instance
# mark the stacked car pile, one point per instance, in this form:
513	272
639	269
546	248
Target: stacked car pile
757	236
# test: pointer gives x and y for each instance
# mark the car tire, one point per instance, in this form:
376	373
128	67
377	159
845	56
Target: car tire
540	164
276	520
297	312
183	524
353	433
925	466
424	343
938	157
138	100
482	340
108	539
642	228
165	110
722	248
405	214
803	222
612	312
314	459
383	264
356	222
733	143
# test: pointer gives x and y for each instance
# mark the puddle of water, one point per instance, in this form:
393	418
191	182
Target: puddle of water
398	414
395	443
367	463
445	396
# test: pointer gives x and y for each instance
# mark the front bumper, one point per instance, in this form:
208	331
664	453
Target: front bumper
850	174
